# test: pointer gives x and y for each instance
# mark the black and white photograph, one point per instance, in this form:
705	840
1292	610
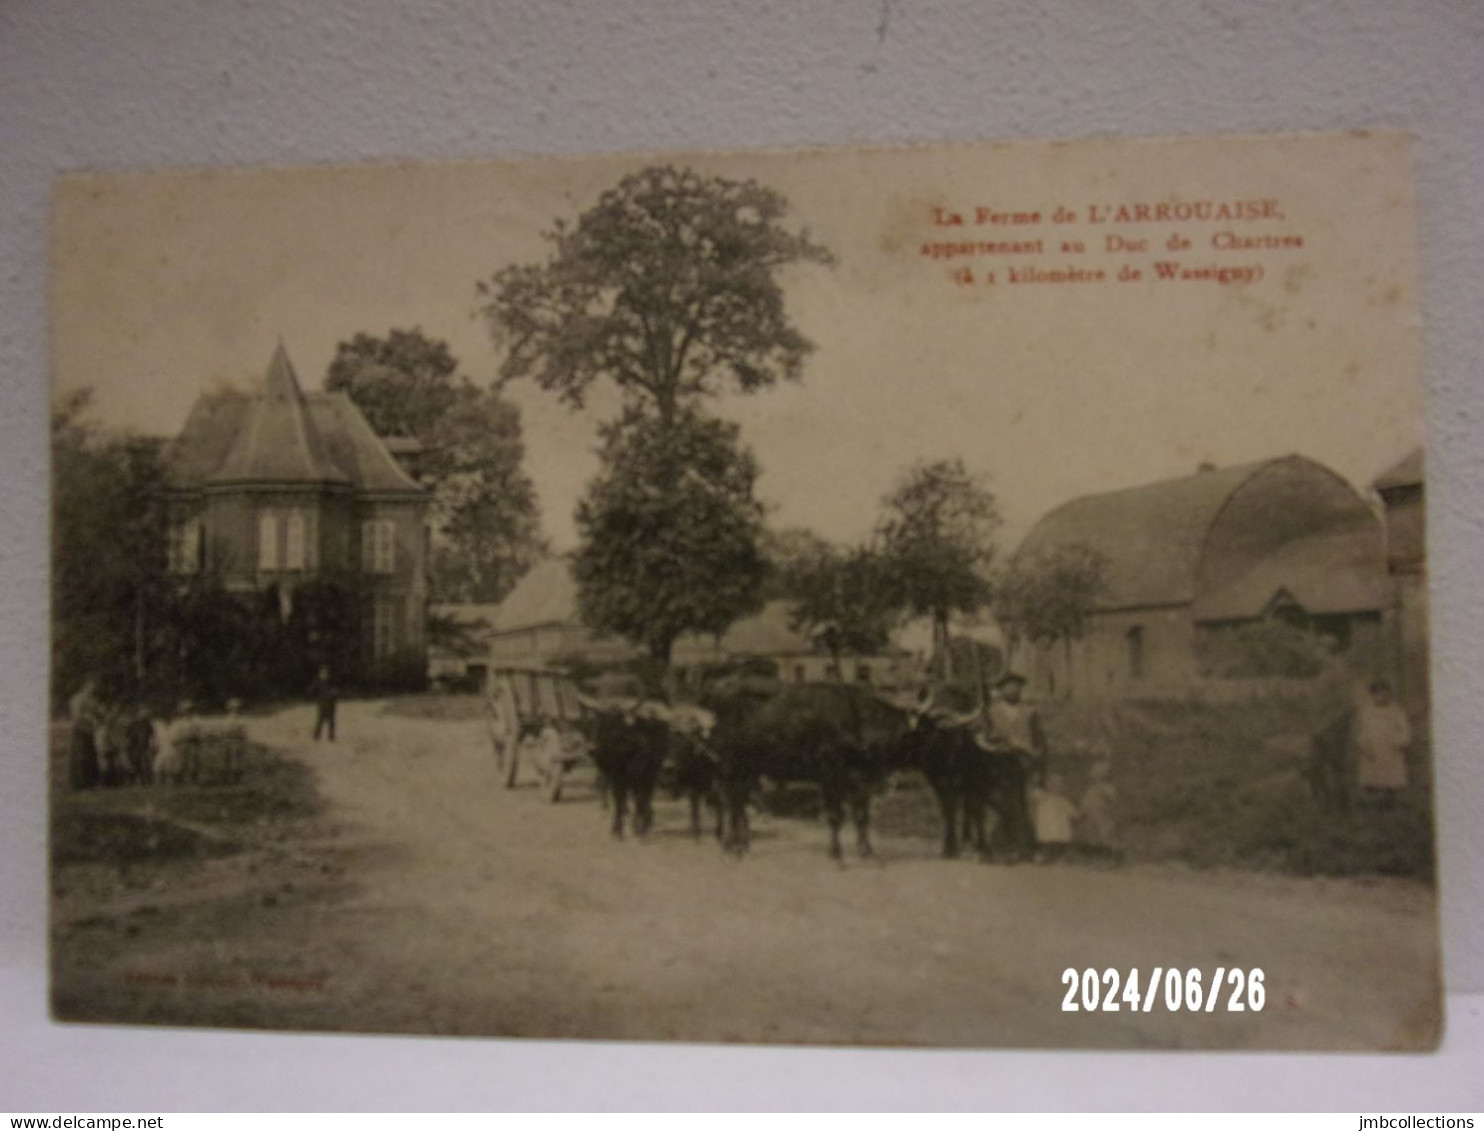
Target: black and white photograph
959	596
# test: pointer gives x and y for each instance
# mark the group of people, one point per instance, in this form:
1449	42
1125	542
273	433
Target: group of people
109	743
120	743
115	743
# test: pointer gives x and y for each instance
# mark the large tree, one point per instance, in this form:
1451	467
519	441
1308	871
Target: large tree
484	515
108	551
937	534
404	382
669	286
670	532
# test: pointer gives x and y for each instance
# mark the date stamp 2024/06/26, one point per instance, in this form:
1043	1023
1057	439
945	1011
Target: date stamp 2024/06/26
1109	991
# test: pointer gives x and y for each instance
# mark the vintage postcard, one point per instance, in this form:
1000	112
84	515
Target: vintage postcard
965	596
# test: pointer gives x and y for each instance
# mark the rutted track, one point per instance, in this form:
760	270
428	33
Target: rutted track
469	908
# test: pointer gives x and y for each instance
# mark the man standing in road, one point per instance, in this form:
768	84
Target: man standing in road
325	696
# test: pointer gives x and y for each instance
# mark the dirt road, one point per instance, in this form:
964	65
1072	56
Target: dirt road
433	900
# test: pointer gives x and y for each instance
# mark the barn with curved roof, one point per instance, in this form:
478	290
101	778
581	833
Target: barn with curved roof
1188	558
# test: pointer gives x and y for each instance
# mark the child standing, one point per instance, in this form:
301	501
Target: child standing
1382	735
1097	829
1054	814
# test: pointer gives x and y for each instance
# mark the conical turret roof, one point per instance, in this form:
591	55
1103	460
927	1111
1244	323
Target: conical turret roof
278	441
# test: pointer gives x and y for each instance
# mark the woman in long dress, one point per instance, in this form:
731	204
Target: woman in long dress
1381	737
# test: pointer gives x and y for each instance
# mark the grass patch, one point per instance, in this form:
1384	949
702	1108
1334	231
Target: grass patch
102	837
1222	785
167	822
1215	786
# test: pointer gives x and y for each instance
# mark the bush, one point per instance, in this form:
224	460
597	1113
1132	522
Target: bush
403	671
1223	785
1267	649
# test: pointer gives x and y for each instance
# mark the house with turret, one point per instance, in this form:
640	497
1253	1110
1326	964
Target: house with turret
276	490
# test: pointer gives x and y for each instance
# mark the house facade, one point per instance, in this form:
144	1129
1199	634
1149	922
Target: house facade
276	490
1194	561
1402	488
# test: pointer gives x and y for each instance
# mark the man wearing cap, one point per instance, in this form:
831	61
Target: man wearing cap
325	697
1016	729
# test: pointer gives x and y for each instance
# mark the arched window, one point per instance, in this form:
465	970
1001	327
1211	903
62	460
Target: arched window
267	540
378	546
293	541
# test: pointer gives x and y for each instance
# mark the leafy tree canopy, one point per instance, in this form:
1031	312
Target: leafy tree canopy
484	515
843	600
404	382
108	551
1046	596
669	285
670	532
937	534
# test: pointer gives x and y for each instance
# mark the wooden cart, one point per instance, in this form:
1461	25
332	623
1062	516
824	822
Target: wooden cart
544	732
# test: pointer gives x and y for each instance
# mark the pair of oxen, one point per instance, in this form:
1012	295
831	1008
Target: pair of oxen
845	739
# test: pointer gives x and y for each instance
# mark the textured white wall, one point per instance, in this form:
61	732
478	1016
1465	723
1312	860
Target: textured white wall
88	84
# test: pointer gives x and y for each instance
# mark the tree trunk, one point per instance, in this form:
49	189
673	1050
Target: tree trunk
659	650
138	642
659	657
981	678
667	404
942	645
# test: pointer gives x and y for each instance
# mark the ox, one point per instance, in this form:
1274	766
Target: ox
969	779
842	738
692	767
628	745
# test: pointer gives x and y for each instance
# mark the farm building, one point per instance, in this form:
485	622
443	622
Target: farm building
459	643
1194	560
1401	488
275	489
538	623
767	635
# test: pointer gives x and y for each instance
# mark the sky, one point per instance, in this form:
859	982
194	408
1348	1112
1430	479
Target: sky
166	285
